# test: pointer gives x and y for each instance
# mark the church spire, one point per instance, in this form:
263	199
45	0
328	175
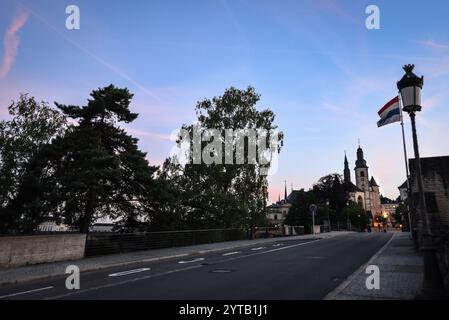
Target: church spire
285	192
361	171
360	162
347	172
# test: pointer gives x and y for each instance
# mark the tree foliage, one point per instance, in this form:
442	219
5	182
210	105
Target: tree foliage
330	196
33	125
356	215
220	194
94	171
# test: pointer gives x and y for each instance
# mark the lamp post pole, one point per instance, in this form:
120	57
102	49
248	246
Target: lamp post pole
422	198
410	87
432	284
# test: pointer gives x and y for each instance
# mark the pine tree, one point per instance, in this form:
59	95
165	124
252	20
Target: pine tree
95	170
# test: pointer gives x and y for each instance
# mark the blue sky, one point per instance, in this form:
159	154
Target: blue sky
313	61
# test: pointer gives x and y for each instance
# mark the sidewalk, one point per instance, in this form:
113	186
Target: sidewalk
401	274
42	271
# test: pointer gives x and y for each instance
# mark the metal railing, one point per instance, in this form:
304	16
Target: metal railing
109	243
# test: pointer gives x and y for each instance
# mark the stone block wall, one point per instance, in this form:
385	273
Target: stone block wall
25	250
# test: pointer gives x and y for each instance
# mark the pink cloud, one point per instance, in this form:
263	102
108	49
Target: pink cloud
11	43
148	135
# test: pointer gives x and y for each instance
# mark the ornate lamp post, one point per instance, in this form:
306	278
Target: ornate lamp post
410	87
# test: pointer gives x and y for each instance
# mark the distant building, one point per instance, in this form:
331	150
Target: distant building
435	172
277	212
403	191
366	191
388	210
51	226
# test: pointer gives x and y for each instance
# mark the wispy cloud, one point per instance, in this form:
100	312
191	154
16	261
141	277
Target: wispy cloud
94	56
333	7
434	45
11	42
147	135
332	107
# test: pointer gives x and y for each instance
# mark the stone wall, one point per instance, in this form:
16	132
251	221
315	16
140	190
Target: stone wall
25	250
443	255
435	173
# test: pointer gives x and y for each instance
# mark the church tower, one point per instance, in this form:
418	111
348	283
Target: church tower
347	172
361	171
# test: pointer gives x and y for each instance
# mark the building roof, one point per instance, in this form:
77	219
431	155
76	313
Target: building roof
403	186
373	182
350	187
385	200
293	196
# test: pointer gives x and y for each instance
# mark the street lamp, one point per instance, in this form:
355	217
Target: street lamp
410	87
328	214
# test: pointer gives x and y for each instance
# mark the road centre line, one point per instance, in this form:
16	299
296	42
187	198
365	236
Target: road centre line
124	273
174	271
25	292
231	253
191	261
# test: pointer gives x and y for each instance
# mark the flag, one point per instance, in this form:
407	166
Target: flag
390	113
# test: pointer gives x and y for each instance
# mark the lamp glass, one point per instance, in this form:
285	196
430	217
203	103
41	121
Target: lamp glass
411	96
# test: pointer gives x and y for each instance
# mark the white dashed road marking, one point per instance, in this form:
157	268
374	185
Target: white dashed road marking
124	273
195	260
25	292
258	248
231	253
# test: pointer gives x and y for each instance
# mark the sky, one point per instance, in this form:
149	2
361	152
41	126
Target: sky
314	62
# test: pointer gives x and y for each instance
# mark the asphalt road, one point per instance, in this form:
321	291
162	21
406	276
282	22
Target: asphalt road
300	269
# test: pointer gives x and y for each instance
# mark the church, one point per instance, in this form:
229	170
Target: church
365	191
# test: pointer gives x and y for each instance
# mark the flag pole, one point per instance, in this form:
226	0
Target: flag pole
407	172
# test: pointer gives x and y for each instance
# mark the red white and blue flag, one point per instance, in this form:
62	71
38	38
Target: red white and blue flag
390	113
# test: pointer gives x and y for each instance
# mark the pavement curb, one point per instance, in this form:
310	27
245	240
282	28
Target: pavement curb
334	293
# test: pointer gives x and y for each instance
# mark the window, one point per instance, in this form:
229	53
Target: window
360	201
362	174
275	217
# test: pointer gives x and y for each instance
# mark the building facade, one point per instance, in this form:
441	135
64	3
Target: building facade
365	191
389	207
277	212
52	226
435	173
